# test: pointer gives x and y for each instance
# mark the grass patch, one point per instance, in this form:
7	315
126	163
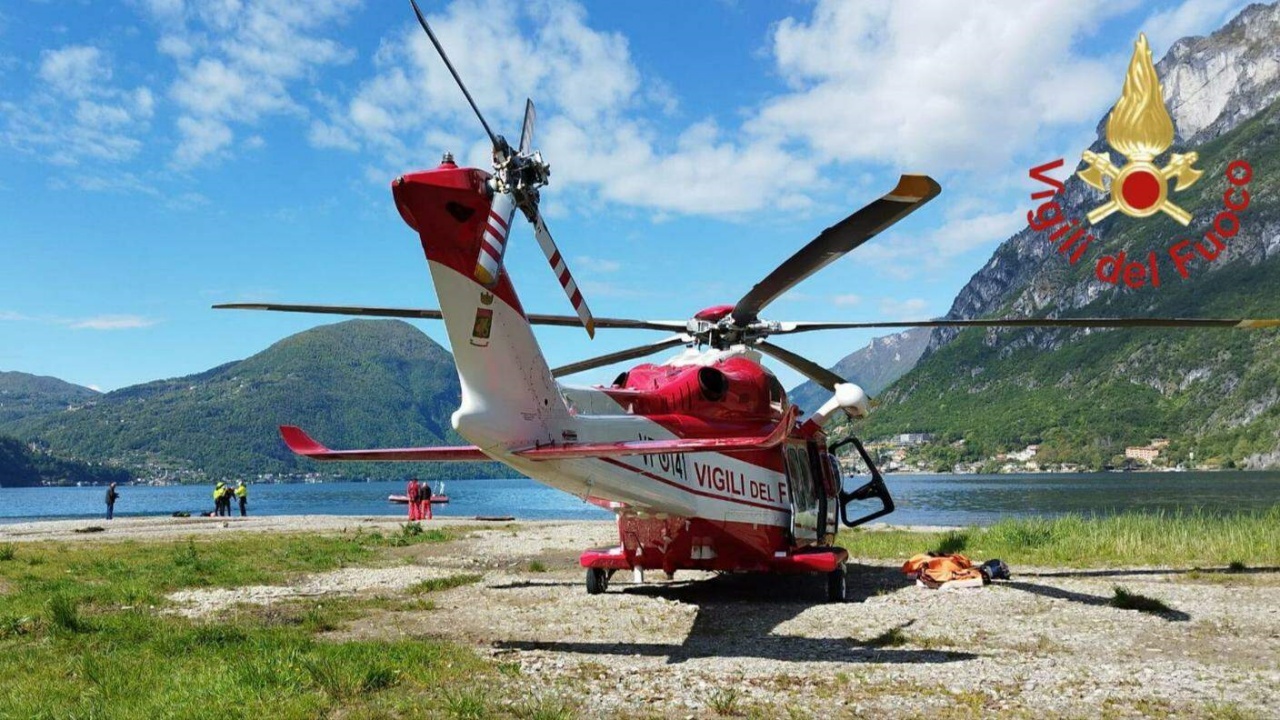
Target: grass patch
1229	711
545	709
7	552
952	542
537	566
1126	600
891	638
1160	539
83	633
726	702
441	584
64	614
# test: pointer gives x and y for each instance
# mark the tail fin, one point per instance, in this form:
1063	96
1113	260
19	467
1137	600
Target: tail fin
509	397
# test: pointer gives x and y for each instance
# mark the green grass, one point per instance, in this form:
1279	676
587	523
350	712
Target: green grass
1174	540
444	583
83	633
1126	600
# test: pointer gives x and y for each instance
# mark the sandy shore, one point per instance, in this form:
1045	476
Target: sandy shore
160	528
164	527
1047	644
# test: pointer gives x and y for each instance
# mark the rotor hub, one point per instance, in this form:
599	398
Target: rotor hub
724	332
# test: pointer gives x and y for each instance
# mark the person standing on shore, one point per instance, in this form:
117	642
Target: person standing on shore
219	498
425	513
112	495
242	494
415	512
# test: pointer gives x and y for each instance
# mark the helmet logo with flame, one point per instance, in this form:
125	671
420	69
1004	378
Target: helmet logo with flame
1140	129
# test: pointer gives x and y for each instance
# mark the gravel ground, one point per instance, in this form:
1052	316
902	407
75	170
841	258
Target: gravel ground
1046	644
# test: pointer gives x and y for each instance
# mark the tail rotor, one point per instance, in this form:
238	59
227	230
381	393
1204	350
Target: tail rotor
517	176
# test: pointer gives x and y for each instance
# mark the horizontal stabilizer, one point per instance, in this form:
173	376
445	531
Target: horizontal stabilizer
302	444
654	447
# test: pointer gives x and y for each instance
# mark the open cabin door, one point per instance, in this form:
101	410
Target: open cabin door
873	489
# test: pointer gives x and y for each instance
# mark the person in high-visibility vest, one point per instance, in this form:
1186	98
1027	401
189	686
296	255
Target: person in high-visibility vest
219	499
242	494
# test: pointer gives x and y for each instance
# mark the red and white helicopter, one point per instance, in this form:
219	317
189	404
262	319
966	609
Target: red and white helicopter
703	459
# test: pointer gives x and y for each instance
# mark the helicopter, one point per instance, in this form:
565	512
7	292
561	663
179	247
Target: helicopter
702	458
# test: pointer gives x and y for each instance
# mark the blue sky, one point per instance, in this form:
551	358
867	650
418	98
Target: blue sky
158	156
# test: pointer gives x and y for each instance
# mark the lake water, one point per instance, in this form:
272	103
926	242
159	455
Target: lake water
921	499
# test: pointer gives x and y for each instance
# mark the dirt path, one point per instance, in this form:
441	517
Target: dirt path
1046	644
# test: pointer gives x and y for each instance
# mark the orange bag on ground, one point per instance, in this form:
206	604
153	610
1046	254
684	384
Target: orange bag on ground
938	569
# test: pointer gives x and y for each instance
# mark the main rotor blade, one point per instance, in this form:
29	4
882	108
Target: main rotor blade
526	131
1090	322
912	192
425	314
440	49
412	313
804	366
621	355
561	270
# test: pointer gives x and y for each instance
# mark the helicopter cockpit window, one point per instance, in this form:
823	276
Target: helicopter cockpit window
777	396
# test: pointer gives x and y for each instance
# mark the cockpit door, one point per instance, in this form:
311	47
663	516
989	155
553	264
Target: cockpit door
807	498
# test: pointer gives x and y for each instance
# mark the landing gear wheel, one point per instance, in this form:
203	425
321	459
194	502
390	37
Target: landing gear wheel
597	581
837	584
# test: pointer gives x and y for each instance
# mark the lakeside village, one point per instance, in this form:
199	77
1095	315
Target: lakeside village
912	453
923	453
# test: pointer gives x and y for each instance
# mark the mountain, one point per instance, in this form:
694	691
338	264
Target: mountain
23	395
874	367
361	383
1087	394
24	466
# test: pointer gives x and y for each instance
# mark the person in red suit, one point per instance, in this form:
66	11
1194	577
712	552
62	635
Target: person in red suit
414	491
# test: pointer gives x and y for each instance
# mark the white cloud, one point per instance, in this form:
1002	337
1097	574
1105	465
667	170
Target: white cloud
75	71
933	85
112	322
848	300
240	61
590	97
100	322
939	86
78	113
596	265
967	227
201	138
912	309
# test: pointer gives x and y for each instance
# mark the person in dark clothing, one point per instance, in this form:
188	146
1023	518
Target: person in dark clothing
112	495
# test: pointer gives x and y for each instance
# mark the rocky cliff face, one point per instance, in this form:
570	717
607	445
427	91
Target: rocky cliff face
1216	394
873	367
1211	85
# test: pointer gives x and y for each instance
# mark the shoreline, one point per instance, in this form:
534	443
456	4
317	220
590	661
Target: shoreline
163	527
169	528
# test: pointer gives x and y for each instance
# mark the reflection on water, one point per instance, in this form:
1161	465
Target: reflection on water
921	499
983	499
